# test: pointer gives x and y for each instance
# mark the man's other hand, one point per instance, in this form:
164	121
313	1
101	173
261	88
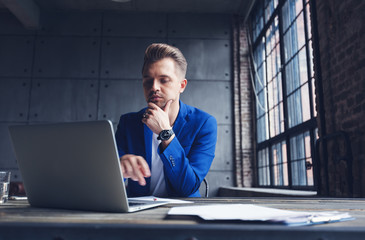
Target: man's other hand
135	167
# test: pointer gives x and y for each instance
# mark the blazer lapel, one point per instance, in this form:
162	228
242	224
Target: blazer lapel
181	119
148	144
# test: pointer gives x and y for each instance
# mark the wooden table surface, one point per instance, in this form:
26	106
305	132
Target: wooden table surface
18	220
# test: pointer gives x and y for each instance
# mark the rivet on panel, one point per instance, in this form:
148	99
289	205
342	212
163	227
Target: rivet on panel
106	85
104	116
58	238
107	72
227	117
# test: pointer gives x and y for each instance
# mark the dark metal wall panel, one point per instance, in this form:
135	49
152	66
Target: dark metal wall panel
120	97
71	23
10	25
207	59
135	25
217	179
223	153
16	53
122	58
211	26
213	97
63	100
14	99
67	57
7	156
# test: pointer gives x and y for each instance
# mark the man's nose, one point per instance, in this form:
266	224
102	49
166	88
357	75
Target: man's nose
155	85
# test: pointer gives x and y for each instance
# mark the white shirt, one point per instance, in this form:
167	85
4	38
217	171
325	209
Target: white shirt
158	185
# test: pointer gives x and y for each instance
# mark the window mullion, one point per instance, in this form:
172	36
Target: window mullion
267	110
283	83
311	103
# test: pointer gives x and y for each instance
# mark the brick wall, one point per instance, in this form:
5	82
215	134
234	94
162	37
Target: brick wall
242	108
341	34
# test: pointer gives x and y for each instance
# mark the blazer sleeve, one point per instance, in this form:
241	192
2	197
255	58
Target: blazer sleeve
121	136
185	172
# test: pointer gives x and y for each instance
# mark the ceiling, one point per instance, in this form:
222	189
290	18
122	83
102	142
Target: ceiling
28	11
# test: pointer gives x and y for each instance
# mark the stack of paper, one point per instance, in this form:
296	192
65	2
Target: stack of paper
254	213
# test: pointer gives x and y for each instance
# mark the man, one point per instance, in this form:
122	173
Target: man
167	148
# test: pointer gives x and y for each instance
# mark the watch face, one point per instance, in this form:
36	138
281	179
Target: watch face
165	135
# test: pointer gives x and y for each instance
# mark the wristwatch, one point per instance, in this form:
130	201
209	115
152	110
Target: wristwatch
165	135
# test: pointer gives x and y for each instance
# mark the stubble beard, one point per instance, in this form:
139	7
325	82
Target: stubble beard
161	104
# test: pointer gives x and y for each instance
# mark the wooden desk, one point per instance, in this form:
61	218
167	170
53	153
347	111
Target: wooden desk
20	221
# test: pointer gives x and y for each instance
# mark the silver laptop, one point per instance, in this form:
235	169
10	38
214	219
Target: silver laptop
72	166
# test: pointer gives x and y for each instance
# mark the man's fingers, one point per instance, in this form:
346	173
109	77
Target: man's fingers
166	109
145	169
153	106
127	169
135	167
138	174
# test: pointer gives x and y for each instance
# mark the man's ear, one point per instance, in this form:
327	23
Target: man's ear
183	85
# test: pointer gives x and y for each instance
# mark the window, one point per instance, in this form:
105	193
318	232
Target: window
284	87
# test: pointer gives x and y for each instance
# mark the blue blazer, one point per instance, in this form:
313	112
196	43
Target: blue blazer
186	160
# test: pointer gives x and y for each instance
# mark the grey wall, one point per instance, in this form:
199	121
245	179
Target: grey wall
86	66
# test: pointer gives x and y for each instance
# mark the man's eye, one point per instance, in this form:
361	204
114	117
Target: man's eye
164	80
146	82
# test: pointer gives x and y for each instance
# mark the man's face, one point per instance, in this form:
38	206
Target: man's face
162	82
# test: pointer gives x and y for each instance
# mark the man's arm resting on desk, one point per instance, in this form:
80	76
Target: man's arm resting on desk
186	170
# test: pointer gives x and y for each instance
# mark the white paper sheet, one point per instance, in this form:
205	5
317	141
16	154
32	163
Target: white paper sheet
250	212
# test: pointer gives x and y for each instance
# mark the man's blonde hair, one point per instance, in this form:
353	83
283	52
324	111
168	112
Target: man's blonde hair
159	51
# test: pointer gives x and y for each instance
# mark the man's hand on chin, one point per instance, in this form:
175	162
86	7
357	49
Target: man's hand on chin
157	119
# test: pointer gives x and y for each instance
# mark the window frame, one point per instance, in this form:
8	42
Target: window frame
302	128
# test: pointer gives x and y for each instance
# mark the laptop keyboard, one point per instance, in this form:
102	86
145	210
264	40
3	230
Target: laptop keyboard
133	204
